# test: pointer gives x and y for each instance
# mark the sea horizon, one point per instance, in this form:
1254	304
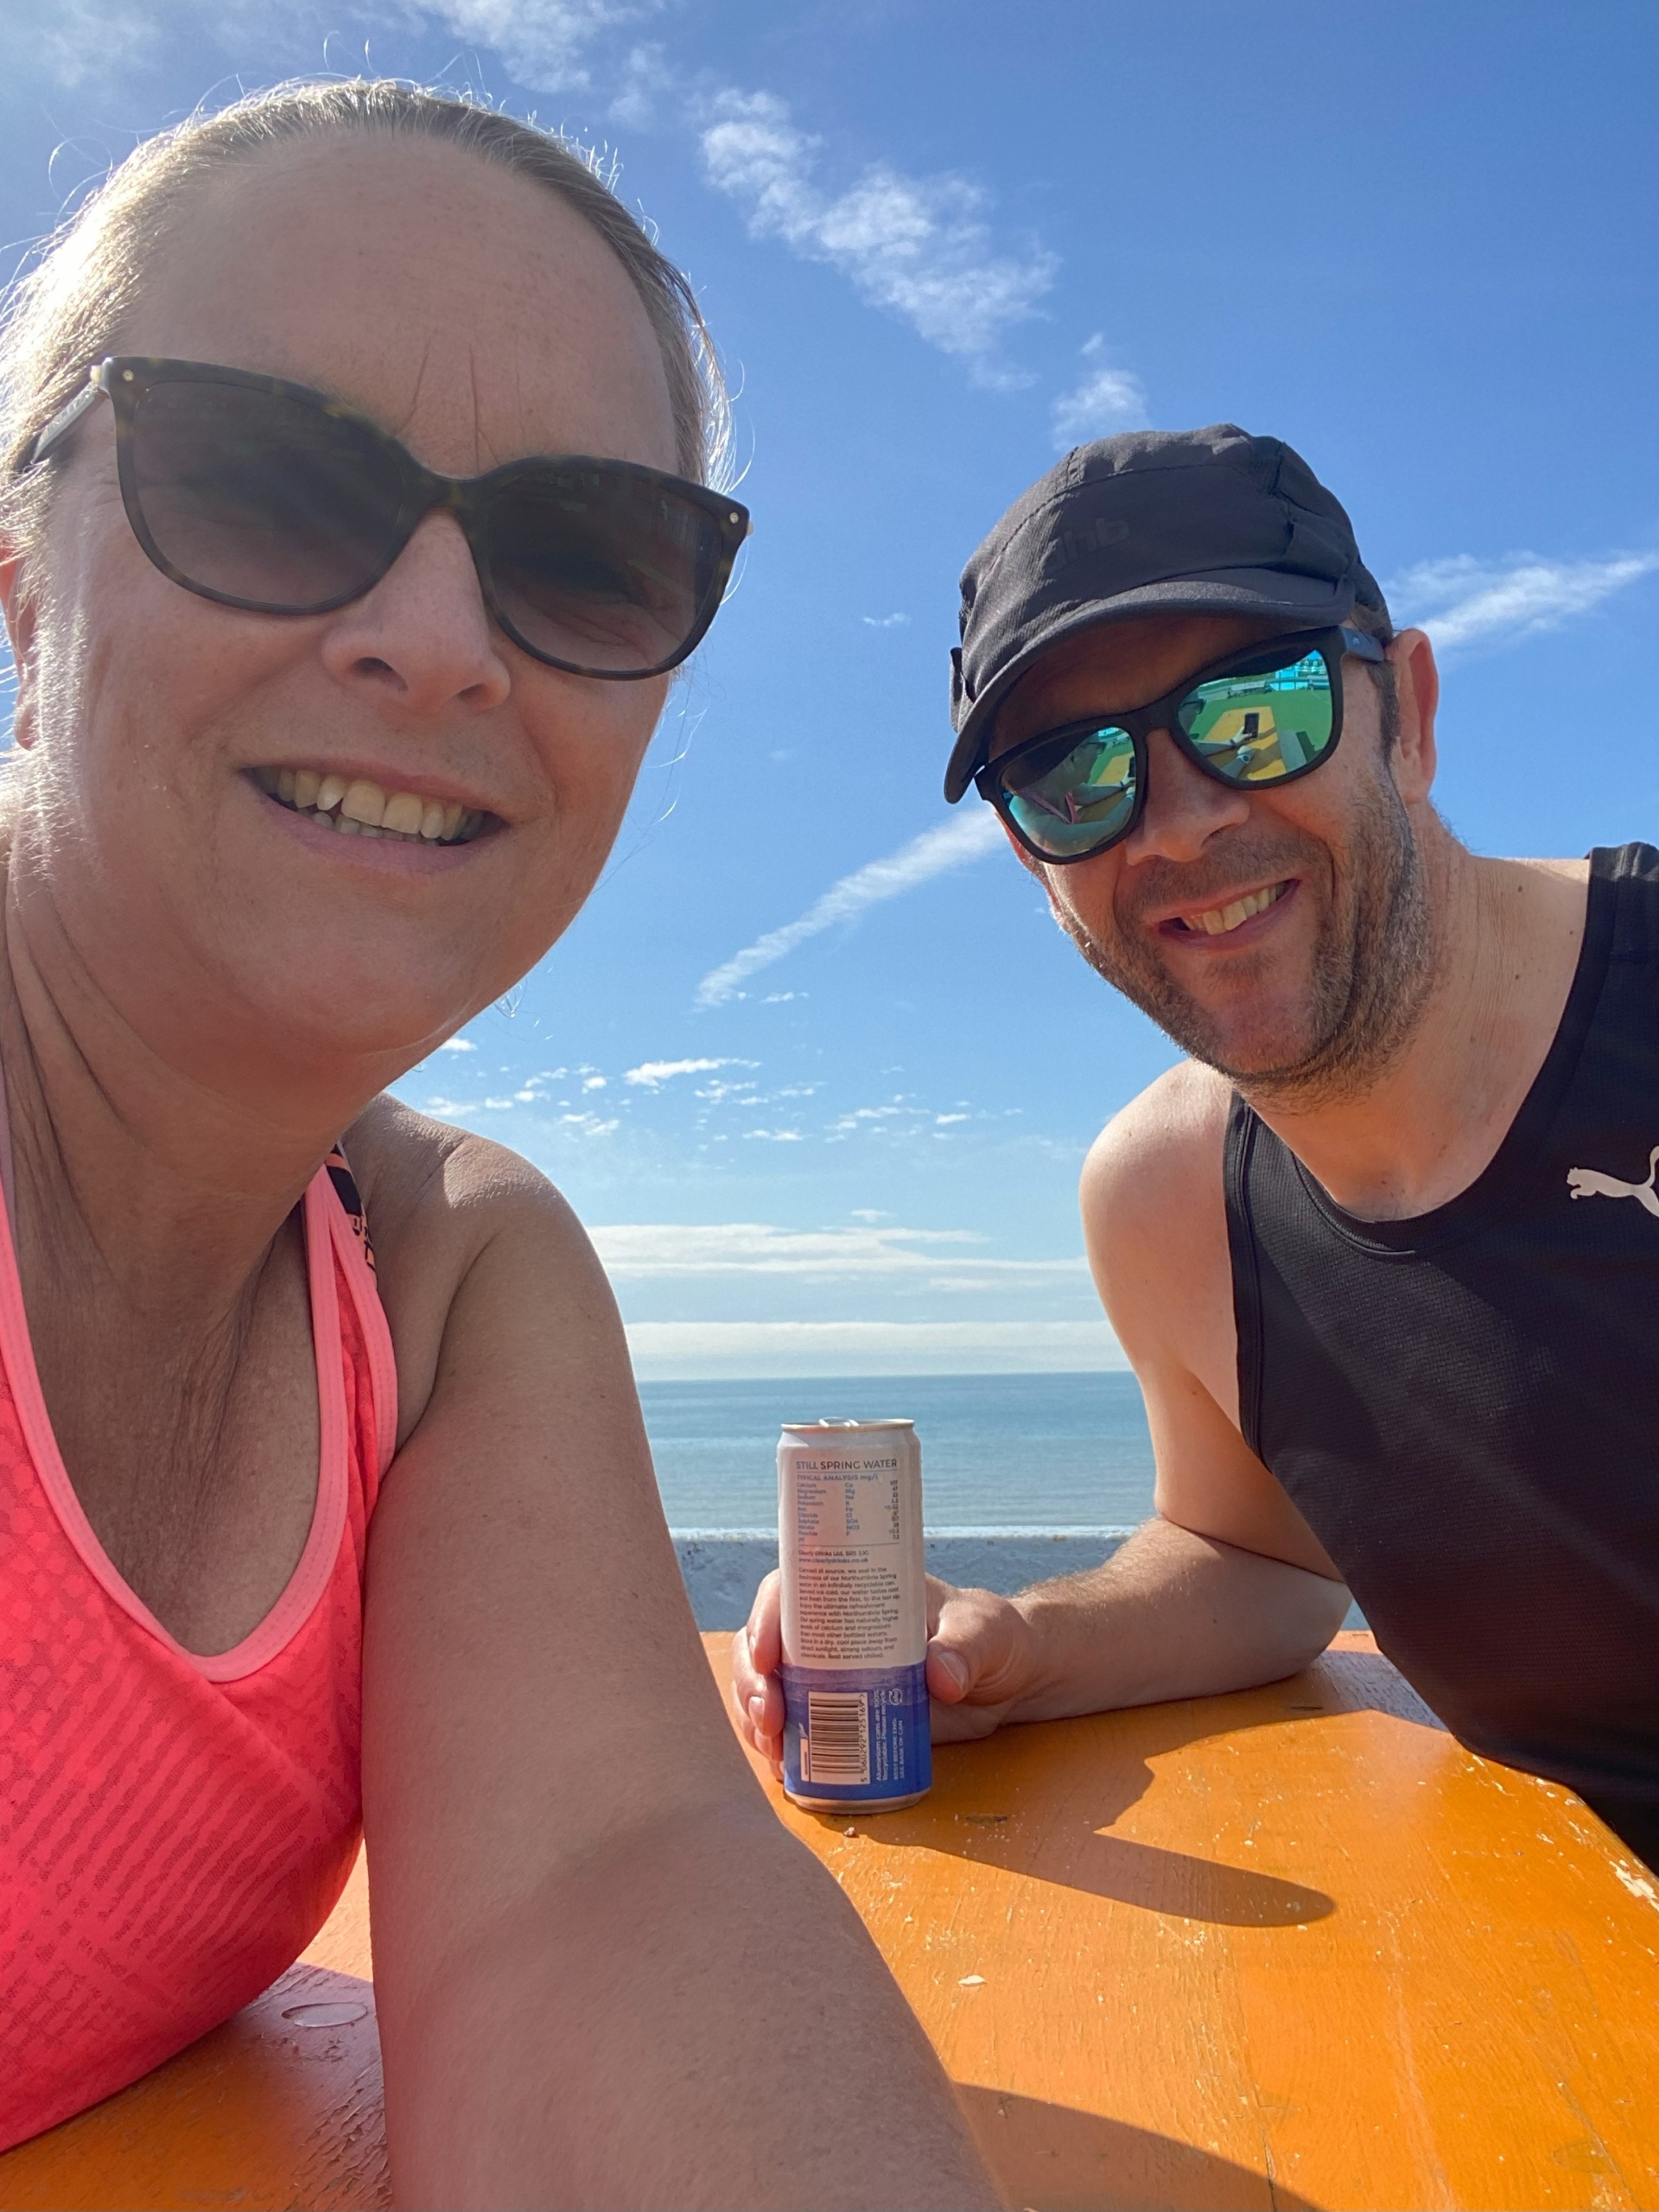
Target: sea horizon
1011	1455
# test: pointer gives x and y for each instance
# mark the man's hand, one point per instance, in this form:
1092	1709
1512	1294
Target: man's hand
979	1665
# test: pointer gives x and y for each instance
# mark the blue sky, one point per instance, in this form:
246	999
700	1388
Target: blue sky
814	1065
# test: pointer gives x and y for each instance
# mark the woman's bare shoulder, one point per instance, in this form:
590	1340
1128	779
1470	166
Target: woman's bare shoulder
419	1176
437	1199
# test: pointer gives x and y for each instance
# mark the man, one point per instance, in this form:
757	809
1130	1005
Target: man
1386	1345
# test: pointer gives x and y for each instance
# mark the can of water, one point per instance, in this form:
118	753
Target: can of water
854	1615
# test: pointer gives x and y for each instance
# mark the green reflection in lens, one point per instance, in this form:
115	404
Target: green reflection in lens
1253	728
1075	797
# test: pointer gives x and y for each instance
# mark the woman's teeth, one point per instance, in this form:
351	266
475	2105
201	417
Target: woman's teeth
361	809
1215	921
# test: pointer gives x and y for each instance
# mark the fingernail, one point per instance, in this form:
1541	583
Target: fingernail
757	1711
952	1663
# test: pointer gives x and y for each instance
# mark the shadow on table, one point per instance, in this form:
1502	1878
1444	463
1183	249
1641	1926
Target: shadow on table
996	1802
1178	1883
1195	1889
1054	2158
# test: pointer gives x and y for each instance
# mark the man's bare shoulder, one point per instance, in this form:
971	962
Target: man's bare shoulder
1154	1223
1162	1153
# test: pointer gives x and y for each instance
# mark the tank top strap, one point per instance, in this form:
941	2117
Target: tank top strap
339	1174
336	1199
1246	1131
7	1178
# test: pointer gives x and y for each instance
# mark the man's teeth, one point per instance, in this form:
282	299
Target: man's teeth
1215	921
362	810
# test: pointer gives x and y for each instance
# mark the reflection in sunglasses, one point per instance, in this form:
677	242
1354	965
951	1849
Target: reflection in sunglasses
1234	724
1071	793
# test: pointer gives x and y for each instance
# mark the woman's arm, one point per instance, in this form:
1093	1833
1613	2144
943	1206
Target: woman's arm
605	1974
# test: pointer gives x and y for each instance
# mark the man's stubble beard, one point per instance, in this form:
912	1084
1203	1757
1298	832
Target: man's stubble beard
1374	970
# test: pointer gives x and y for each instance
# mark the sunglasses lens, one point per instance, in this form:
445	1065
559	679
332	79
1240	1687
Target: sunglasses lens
262	499
1074	796
1253	728
605	571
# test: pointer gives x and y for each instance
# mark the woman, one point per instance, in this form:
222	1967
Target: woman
331	694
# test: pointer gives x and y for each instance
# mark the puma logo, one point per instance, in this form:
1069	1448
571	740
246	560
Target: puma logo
1590	1183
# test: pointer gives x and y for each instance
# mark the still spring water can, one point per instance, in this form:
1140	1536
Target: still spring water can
854	1615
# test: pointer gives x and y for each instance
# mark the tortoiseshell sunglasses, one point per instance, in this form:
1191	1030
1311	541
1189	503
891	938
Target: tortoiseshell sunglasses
266	495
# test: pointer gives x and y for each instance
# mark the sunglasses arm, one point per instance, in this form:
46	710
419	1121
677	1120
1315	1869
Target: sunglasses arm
65	418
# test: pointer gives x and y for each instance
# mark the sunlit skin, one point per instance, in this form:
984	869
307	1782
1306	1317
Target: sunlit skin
592	1937
175	849
1416	1130
207	984
1228	1586
1201	844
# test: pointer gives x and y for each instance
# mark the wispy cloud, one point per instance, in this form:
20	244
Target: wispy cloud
646	82
1104	400
966	837
650	1073
82	42
918	246
903	1120
544	43
888	622
1463	601
672	1350
568	1123
671	1251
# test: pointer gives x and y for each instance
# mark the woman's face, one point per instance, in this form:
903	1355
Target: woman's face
478	319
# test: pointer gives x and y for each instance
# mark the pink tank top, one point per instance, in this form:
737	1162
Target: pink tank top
174	1830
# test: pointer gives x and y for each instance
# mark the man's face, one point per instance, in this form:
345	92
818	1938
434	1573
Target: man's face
1280	936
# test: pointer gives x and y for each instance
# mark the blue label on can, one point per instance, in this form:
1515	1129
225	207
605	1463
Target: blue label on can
852	1733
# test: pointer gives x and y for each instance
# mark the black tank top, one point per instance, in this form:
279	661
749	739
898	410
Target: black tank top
1465	1406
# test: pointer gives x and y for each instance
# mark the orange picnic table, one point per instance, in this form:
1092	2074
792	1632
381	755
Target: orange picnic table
1294	1947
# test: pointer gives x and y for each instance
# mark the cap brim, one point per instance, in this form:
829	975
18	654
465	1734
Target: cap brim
1264	593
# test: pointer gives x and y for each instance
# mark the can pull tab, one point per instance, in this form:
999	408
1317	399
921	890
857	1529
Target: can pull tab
827	1423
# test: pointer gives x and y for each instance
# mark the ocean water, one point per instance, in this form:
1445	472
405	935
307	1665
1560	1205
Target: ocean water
999	1452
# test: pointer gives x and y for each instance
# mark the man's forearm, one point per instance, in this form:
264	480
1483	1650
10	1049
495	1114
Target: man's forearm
1172	1615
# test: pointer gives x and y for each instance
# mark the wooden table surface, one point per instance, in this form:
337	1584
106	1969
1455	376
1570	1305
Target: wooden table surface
1290	1948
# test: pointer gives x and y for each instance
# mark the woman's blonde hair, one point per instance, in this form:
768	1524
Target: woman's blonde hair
68	313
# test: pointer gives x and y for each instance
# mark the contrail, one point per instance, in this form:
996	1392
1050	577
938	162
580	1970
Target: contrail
967	837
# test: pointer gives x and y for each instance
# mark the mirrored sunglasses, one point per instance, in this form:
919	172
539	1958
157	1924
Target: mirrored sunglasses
1261	717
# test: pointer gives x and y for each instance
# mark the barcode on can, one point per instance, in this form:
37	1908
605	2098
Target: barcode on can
835	1746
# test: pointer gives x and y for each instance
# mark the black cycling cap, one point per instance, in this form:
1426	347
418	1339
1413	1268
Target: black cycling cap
1155	522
